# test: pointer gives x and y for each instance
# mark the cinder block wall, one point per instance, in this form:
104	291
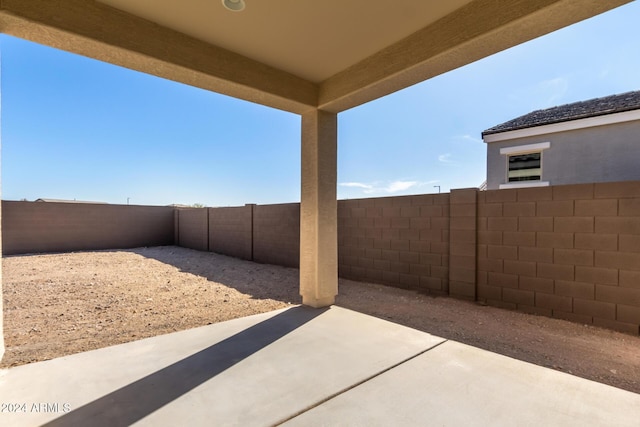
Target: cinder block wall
462	243
32	227
268	234
231	231
571	252
276	234
193	228
398	241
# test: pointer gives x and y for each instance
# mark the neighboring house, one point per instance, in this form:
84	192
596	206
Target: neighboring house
590	141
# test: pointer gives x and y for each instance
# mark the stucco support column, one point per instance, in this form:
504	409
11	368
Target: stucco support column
318	209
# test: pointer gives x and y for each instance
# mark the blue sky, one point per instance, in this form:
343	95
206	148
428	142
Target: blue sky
75	128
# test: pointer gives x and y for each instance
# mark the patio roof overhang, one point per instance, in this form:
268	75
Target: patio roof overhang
290	54
313	58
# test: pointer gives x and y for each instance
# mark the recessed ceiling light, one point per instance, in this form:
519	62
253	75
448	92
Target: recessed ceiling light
234	5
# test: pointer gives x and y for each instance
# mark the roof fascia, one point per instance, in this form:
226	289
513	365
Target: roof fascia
608	119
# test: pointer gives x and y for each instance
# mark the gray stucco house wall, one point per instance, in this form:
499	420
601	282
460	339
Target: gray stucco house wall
591	141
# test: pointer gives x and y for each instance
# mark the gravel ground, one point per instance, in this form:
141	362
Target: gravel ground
60	304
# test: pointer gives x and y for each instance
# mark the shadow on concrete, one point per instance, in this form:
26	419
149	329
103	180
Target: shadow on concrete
261	281
133	402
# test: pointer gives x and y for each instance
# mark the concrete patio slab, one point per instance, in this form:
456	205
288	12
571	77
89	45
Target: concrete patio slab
455	384
258	370
303	366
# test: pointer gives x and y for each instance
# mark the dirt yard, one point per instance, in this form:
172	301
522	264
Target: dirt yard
60	304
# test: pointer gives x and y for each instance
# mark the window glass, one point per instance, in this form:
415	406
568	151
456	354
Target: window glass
525	167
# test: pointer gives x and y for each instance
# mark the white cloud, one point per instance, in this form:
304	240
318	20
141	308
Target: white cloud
355	184
544	94
553	90
470	138
445	158
389	187
396	186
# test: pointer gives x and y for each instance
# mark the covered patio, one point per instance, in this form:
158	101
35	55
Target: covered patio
315	60
312	59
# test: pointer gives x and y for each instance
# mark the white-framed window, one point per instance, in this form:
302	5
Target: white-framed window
524	165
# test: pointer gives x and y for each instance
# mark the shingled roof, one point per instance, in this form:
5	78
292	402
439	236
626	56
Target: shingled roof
577	110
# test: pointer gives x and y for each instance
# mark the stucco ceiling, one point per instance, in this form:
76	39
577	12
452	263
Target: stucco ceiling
295	55
313	39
